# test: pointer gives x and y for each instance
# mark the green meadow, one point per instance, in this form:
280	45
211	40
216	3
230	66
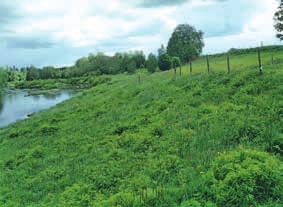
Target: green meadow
198	140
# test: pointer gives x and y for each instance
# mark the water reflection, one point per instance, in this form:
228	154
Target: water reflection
16	104
51	96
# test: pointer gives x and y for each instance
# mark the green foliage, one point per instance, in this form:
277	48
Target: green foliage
139	59
278	24
32	74
164	62
162	142
131	67
272	48
243	178
3	77
151	63
94	81
76	83
161	50
47	73
191	203
185	42
101	64
176	62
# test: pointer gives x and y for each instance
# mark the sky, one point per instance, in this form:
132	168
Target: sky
58	32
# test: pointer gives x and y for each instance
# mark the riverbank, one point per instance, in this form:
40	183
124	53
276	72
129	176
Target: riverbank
202	139
72	83
51	86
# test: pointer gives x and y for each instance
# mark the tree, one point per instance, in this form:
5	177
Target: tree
185	42
164	62
278	19
151	63
82	62
3	77
47	72
131	66
161	50
176	62
139	58
32	74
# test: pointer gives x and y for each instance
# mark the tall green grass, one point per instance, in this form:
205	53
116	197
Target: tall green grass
200	140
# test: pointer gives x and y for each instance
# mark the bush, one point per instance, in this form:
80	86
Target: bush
244	178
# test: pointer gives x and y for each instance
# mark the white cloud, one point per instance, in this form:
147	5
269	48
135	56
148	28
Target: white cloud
257	29
80	27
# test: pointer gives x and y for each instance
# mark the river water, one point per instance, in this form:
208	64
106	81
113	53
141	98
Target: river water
15	104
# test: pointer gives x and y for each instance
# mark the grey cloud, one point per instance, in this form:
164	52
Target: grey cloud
8	13
162	3
58	56
26	42
159	3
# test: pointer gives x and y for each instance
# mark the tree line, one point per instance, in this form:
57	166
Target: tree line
11	74
185	44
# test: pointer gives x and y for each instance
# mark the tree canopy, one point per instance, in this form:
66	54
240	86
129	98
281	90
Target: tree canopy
185	42
278	19
3	76
161	50
164	62
151	63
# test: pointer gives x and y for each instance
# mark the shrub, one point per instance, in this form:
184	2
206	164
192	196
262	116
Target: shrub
243	178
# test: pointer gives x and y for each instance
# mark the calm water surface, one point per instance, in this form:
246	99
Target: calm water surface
16	104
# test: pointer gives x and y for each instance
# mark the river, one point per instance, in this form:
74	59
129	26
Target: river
15	104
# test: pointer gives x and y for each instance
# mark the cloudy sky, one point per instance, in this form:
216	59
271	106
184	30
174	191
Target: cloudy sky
57	32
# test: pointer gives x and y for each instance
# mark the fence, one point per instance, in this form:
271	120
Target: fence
257	64
255	60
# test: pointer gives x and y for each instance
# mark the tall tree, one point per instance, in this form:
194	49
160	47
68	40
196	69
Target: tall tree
47	72
131	66
151	63
278	21
32	74
185	42
139	58
3	77
161	50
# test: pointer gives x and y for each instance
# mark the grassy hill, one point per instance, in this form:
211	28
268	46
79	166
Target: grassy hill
200	140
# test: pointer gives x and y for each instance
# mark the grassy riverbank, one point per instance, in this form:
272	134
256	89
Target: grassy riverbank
52	85
82	82
199	140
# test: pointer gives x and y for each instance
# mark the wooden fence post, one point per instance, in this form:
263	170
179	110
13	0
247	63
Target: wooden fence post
207	61
175	73
191	67
228	63
259	61
272	60
180	70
